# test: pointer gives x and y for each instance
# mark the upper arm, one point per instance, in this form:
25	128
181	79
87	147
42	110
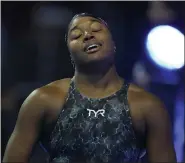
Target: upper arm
26	130
159	135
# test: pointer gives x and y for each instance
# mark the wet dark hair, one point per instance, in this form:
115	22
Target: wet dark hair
84	15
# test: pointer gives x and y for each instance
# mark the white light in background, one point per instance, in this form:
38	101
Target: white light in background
165	46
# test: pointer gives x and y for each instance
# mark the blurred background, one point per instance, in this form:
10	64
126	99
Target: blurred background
149	38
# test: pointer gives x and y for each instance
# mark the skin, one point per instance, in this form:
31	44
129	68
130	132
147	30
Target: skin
44	104
89	30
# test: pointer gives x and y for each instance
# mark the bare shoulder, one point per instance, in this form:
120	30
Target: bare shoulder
55	89
148	103
49	95
139	94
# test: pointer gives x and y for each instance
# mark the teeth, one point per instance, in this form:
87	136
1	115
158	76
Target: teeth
92	46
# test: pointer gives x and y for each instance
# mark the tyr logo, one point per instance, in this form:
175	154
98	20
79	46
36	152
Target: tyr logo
101	112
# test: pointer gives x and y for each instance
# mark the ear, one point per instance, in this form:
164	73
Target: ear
72	58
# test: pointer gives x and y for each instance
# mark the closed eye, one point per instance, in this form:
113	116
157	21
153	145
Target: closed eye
76	34
96	27
76	37
96	30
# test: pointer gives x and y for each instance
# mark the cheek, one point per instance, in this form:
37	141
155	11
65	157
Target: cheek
74	46
108	43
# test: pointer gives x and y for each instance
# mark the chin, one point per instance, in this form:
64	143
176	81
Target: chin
97	57
94	58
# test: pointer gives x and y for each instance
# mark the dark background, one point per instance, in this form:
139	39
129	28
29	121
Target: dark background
34	52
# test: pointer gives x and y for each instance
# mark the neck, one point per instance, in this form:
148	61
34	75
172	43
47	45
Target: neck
99	80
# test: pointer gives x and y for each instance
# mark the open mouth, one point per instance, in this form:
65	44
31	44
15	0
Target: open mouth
93	48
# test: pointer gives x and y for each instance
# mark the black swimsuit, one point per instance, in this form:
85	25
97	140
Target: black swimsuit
95	130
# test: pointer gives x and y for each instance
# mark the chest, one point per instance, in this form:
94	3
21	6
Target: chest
99	121
102	113
94	129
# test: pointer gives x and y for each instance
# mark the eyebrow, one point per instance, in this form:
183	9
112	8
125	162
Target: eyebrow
92	20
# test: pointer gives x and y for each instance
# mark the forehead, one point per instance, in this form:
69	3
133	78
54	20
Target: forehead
81	20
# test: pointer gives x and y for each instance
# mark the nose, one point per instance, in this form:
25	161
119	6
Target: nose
88	36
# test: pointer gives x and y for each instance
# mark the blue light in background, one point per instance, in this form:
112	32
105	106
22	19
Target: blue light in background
165	45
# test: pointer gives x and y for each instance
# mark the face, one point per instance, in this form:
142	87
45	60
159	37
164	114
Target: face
89	40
